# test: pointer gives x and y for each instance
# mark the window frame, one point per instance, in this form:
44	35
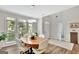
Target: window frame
16	30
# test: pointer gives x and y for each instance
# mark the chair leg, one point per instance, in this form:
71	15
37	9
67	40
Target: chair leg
21	52
29	51
26	52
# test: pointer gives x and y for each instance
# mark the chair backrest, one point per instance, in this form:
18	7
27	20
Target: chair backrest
25	35
43	44
19	42
42	36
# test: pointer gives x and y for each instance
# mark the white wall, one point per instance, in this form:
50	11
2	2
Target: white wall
73	29
54	23
64	17
70	16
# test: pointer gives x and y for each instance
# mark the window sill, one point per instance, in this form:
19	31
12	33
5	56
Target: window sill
7	43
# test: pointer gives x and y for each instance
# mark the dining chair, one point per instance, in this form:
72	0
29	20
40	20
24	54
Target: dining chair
22	47
42	36
42	47
25	35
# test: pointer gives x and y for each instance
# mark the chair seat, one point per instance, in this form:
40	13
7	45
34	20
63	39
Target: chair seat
42	47
38	51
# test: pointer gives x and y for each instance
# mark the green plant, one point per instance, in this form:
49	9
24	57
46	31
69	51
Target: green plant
10	35
2	36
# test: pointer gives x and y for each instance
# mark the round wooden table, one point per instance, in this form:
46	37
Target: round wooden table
32	43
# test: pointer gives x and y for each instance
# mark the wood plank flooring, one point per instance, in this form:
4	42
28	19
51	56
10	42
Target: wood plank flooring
75	49
52	49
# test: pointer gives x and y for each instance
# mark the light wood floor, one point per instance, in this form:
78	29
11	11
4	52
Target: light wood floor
52	49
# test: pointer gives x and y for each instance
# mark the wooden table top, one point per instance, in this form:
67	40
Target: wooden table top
29	41
32	43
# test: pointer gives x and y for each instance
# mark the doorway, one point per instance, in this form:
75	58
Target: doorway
74	37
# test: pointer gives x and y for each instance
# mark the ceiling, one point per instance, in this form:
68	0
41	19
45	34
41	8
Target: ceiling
36	11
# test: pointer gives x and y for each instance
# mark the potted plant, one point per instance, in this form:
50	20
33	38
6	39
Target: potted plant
2	36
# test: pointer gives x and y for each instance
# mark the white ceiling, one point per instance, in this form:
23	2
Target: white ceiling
36	11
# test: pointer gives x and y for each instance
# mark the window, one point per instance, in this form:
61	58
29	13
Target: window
10	28
26	26
19	27
23	28
32	26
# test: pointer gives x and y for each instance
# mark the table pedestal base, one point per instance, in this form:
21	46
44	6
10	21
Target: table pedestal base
30	51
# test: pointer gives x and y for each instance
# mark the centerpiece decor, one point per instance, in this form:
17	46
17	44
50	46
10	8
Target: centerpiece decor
33	37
